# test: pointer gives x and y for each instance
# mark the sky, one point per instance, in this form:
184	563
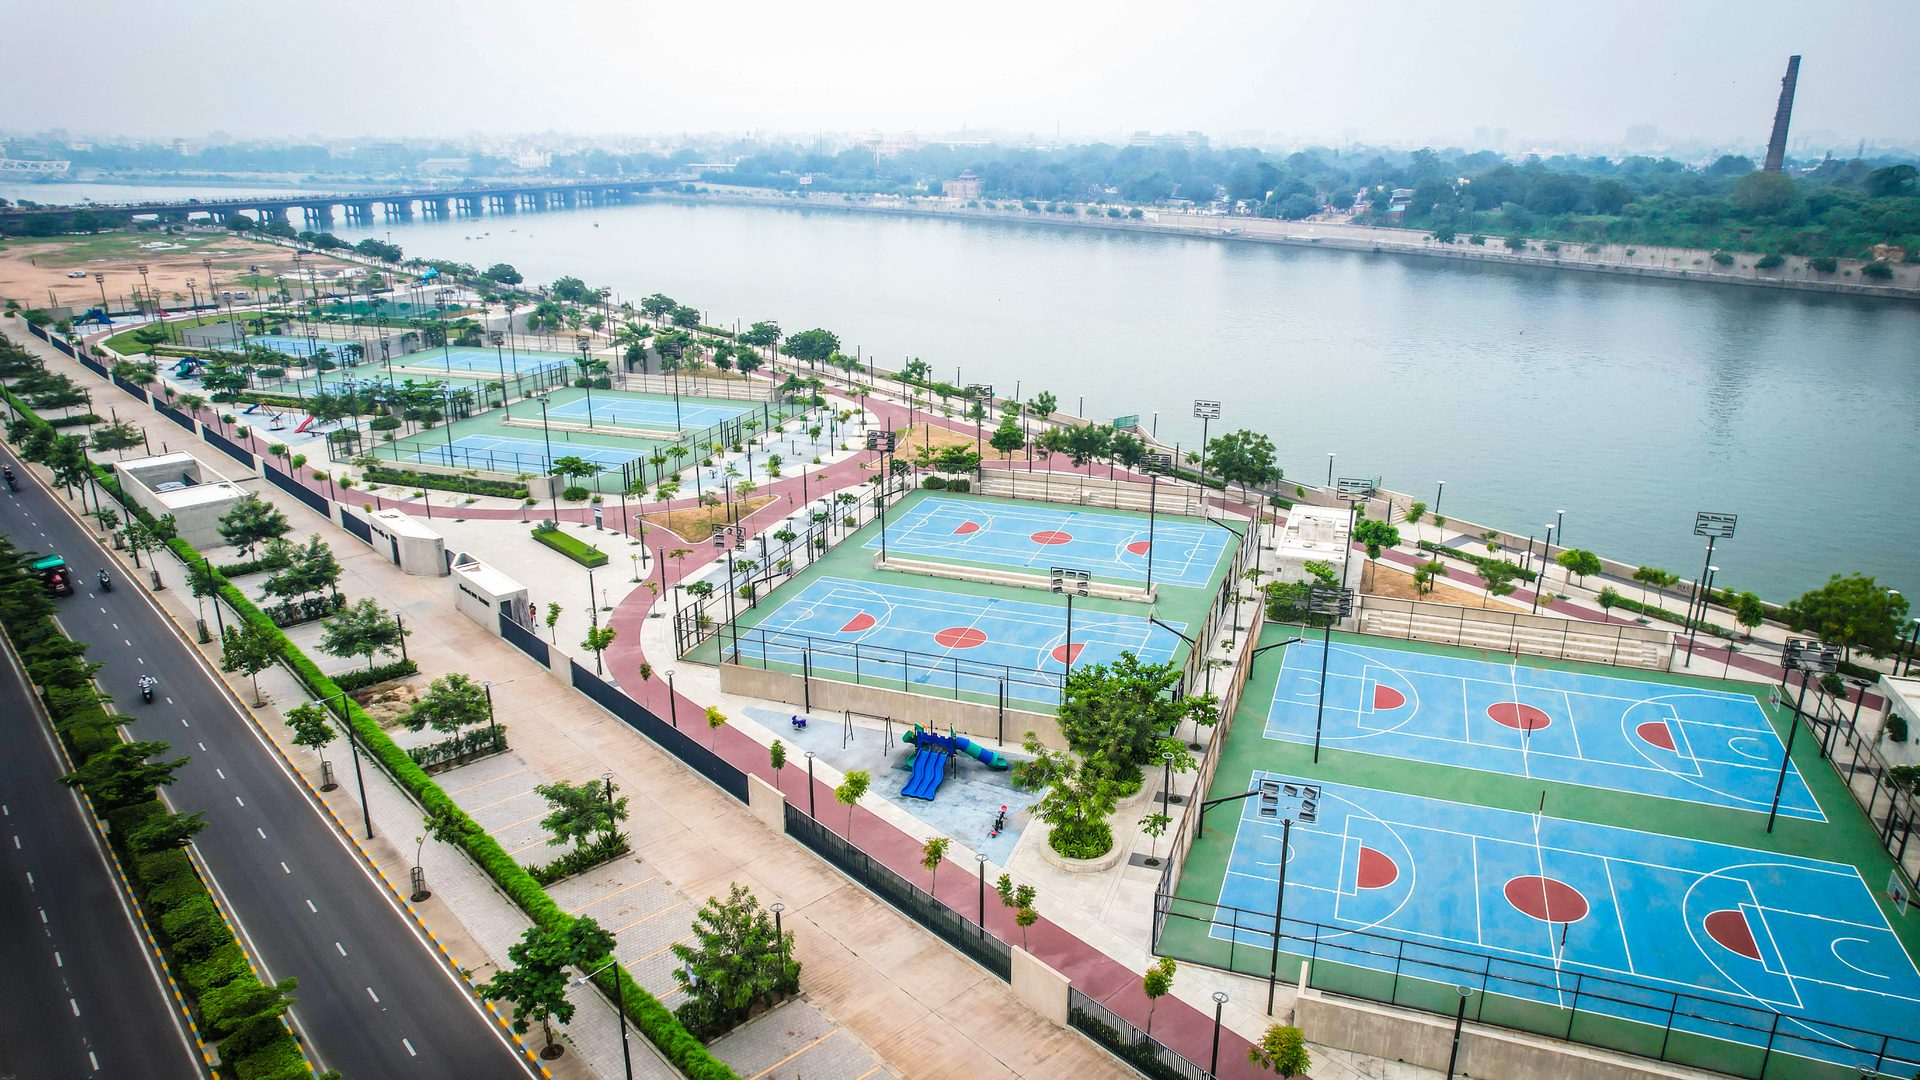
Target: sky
1288	70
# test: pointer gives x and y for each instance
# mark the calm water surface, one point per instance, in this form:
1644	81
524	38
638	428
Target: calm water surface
1629	404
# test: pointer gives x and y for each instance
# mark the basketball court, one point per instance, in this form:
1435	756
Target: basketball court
1575	915
510	453
945	641
1035	537
1627	735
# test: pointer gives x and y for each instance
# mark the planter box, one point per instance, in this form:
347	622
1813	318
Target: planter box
1082	866
578	550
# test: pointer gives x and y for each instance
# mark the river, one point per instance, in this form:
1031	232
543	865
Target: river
1629	404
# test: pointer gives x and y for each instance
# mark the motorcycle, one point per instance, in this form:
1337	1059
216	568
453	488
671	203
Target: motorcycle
106	583
146	689
11	485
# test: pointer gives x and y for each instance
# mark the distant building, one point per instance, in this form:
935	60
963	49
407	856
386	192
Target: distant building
1192	140
964	186
446	166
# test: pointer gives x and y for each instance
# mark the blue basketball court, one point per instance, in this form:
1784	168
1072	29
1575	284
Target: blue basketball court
1676	742
1540	908
506	453
1036	538
951	637
650	412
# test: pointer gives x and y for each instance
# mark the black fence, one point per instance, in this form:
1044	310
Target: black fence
667	735
136	391
865	664
357	527
174	415
298	490
957	930
1148	1056
520	637
1642	1019
227	446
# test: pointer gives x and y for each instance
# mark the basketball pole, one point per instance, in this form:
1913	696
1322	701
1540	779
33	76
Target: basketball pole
1320	707
1793	729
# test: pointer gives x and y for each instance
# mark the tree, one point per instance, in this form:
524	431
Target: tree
364	629
1020	899
1007	438
736	960
1425	574
537	982
250	649
1124	711
1579	562
121	775
1609	596
932	853
312	728
1282	1050
166	831
451	703
849	792
1650	577
1749	612
1853	612
246	1013
1155	984
777	758
1043	404
577	812
504	273
117	437
1376	536
1499	576
1245	458
1155	826
1079	794
715	721
813	345
553	617
597	640
250	522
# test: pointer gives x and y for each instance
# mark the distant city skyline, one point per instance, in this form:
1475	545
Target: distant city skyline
1576	77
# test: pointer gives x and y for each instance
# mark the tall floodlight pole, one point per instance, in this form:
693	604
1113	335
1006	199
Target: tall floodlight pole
1154	465
1071	582
1352	490
497	337
1713	527
1335	604
1207	412
1806	657
882	441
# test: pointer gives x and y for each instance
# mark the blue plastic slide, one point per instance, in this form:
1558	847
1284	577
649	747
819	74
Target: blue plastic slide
990	758
929	769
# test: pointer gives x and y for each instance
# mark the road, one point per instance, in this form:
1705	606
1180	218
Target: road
374	1000
82	996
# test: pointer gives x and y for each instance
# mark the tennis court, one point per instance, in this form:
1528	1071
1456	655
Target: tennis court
496	452
1113	546
647	411
1677	742
1772	949
466	360
957	641
294	346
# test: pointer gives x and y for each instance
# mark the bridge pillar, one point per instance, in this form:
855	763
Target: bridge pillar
271	213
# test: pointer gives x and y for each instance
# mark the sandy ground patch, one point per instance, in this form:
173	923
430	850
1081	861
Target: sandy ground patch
1383	580
31	266
695	524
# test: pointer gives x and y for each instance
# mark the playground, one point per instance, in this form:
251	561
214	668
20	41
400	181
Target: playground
1032	536
1523	830
1576	727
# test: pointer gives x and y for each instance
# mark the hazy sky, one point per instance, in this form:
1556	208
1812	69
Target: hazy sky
1384	70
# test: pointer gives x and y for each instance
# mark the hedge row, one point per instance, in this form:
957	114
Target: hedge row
1653	612
573	548
662	1028
581	859
1479	561
76	420
380	474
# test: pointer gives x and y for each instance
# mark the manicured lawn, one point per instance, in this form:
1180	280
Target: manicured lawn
578	550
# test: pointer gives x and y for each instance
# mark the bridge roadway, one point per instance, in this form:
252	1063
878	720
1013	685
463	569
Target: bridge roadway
468	198
374	999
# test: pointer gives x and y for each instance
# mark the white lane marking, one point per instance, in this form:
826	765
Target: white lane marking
183	722
169	701
57	962
94	1061
5	811
239	800
220	773
142	659
261	831
29	879
75	1006
284	869
203	747
16	841
342	948
43	916
311	908
116	626
374	996
128	644
411	1052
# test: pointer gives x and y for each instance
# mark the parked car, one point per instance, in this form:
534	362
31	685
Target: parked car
76	273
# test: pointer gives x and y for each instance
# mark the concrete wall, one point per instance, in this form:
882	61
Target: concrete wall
766	803
1485	1053
1039	987
829	695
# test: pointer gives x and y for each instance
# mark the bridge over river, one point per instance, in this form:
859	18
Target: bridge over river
319	211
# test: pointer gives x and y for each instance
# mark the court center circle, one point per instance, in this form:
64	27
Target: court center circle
1377	870
1518	716
1546	899
1050	537
961	637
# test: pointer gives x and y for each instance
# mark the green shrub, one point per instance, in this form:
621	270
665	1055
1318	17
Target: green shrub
1878	269
578	550
581	859
960	484
1768	262
1085	840
575	493
380	474
384	423
194	929
223	965
76	420
1897	728
1825	264
934	483
359	680
1721	258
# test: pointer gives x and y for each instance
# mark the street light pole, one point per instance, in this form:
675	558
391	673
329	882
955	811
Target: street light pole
620	1007
1219	1005
1438	492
